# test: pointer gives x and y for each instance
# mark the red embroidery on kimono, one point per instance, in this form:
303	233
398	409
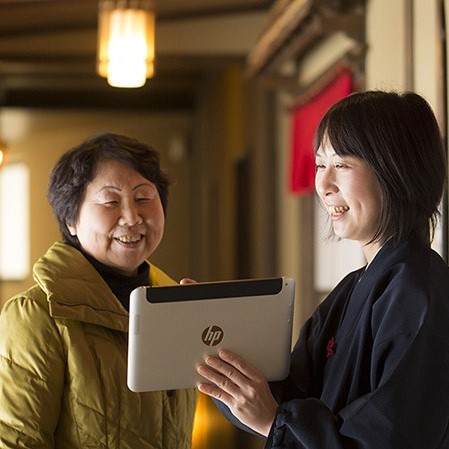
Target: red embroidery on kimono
330	348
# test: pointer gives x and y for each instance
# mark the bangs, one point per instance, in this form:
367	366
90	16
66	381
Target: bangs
337	129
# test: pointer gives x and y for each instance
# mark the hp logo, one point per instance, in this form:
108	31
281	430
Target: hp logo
212	335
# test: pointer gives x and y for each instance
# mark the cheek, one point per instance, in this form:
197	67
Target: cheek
370	199
92	223
159	223
155	216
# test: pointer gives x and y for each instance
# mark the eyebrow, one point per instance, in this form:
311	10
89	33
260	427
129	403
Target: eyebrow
143	184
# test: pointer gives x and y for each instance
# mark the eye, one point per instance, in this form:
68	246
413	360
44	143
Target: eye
341	166
146	195
319	163
110	203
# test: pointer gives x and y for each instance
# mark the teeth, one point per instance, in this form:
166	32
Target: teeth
338	209
129	238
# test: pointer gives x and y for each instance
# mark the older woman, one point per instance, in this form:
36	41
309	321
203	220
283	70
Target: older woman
63	350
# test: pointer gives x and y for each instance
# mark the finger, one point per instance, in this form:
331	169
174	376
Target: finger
219	380
228	371
240	364
214	391
186	281
207	372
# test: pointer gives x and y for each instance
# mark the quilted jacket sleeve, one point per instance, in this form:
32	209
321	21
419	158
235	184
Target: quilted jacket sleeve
31	375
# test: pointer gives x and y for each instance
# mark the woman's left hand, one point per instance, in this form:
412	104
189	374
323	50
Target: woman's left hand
241	387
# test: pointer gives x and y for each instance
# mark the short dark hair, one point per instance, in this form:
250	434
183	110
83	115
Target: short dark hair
398	136
78	166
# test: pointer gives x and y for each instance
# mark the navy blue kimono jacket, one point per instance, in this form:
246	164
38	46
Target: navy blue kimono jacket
370	369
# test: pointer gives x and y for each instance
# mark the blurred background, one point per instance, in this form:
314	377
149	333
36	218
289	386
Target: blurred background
238	88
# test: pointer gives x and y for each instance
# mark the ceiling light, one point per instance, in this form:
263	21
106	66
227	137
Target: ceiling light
126	42
2	154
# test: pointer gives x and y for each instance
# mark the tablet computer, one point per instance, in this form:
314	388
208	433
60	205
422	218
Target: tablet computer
172	329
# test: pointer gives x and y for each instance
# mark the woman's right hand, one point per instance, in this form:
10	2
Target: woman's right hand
241	387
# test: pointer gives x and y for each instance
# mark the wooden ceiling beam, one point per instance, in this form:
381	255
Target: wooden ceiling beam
299	25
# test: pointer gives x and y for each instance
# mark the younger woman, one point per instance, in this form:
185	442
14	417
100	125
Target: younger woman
371	367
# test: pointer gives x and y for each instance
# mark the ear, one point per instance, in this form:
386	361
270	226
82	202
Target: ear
71	228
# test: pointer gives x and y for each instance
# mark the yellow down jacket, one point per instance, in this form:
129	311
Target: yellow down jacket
63	356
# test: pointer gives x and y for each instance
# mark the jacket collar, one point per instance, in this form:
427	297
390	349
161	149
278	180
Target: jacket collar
76	291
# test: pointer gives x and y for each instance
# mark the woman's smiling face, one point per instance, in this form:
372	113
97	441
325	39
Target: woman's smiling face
350	192
121	219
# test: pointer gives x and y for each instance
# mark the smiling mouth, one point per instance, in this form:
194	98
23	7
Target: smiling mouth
338	210
129	238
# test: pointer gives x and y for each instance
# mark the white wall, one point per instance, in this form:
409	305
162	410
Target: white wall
385	35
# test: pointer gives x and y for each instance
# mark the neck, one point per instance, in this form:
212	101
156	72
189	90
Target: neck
370	251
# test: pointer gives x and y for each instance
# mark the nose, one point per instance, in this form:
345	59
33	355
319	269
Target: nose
325	182
130	215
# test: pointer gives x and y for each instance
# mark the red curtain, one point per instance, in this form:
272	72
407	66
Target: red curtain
305	120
